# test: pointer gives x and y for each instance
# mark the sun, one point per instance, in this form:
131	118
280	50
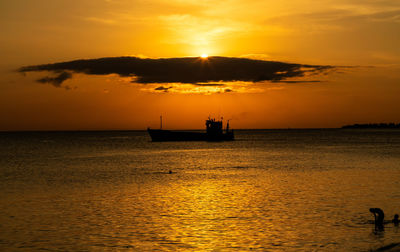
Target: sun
204	56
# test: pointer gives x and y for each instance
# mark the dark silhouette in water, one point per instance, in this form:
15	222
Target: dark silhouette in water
379	216
396	220
214	133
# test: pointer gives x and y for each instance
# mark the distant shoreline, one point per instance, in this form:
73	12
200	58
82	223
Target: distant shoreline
373	126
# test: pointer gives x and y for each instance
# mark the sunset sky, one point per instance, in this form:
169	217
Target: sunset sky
351	46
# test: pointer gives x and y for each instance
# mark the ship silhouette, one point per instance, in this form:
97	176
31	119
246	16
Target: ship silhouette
214	132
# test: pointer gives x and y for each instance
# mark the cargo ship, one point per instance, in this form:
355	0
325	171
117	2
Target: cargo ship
214	132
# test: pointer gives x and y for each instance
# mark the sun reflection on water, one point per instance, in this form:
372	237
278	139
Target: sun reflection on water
273	195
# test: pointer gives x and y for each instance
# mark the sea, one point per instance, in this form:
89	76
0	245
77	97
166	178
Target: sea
269	190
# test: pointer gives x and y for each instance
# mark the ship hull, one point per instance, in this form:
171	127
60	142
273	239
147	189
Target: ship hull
171	135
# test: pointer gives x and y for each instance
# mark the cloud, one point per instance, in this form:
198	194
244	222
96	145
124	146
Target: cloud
198	30
208	84
162	88
191	70
100	20
58	80
344	18
298	81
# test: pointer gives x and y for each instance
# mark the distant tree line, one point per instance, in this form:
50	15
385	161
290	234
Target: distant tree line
373	126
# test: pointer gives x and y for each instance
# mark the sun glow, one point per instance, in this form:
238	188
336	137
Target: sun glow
204	56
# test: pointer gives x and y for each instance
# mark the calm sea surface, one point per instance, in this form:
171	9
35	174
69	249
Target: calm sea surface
277	190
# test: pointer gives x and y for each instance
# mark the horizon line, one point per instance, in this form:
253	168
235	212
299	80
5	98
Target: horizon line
122	130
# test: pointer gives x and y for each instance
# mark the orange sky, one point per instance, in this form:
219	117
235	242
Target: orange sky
358	33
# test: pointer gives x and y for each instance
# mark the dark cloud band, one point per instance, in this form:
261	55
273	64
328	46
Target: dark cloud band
192	70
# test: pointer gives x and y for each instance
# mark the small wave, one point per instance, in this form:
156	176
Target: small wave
241	167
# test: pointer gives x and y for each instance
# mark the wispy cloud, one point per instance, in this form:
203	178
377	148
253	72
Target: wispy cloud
204	88
198	31
101	20
342	17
